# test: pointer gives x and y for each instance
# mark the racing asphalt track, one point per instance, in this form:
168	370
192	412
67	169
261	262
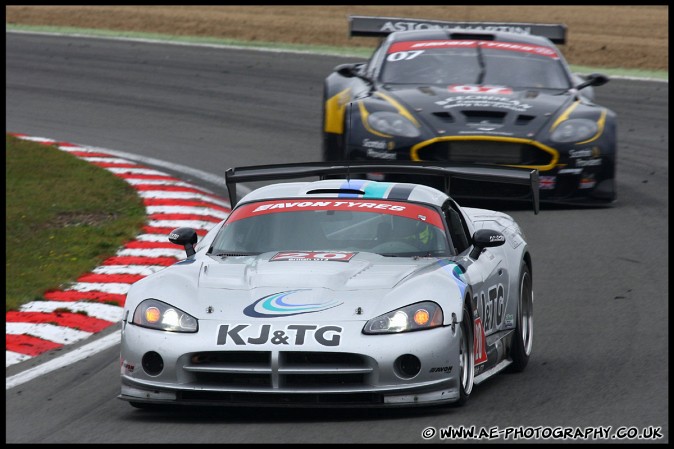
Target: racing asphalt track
600	275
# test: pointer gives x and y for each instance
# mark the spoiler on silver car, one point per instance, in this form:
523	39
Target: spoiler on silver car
383	26
487	173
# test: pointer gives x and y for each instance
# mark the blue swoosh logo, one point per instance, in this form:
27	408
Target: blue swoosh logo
274	305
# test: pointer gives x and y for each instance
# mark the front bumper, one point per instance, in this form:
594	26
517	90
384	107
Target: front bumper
569	173
363	371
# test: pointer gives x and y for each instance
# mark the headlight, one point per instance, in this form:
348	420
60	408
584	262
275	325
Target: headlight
155	314
392	123
422	315
574	130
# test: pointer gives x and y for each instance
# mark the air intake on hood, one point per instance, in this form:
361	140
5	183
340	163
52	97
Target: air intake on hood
492	117
446	116
427	90
335	191
524	119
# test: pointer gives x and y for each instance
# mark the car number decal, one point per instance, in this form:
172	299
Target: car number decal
480	89
334	256
479	342
292	334
403	55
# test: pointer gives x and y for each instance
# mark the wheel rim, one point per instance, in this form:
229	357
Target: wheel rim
527	313
466	358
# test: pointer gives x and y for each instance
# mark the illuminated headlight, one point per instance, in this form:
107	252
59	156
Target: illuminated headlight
574	130
422	315
159	315
393	124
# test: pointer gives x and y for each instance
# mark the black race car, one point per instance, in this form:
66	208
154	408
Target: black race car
487	93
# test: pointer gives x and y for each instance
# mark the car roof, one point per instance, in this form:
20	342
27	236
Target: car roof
335	188
499	36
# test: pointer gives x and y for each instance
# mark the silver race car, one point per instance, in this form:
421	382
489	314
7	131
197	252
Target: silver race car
335	292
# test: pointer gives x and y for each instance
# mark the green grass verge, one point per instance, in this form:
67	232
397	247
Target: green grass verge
355	52
64	216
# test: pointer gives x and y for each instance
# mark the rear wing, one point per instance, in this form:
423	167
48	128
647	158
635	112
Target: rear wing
488	173
383	26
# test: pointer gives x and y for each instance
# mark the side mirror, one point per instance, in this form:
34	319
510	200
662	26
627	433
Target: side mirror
593	79
186	237
353	71
485	238
347	70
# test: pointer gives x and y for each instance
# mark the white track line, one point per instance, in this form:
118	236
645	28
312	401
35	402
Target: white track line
12	357
117	288
196	224
157	238
101	311
57	334
187	210
64	360
144	270
152	252
167	194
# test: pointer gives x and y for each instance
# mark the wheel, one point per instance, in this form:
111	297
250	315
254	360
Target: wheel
333	144
466	357
522	341
333	147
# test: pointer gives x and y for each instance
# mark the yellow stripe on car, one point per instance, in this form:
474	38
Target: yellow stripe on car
363	116
401	109
600	128
565	115
334	112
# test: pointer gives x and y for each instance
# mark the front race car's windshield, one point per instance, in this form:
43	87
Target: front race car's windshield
474	62
389	228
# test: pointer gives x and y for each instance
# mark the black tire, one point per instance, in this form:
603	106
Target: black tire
466	357
522	341
333	151
333	147
333	144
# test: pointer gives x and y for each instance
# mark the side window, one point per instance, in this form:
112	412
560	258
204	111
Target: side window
457	228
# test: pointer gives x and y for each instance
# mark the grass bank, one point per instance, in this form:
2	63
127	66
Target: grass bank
64	216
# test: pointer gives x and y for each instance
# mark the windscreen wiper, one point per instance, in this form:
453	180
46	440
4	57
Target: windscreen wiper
234	254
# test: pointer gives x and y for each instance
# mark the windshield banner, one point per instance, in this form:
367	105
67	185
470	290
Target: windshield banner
487	45
408	210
